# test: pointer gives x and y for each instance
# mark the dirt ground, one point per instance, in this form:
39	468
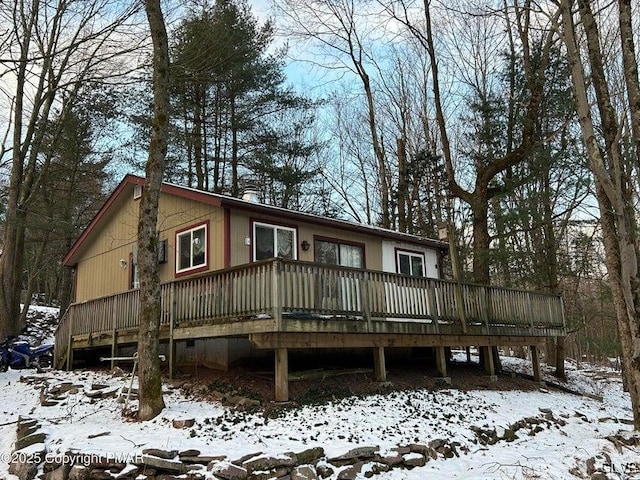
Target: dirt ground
316	379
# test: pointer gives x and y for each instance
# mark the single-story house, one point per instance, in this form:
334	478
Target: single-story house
239	275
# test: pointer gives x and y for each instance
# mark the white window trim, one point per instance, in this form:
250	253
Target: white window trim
206	247
275	237
410	255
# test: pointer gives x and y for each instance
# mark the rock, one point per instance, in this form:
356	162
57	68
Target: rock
310	456
418	448
509	435
360	453
414	460
437	443
60	473
29	440
94	393
189	453
304	472
51	464
401	450
270	463
275	473
99	474
65	387
24	471
98	461
244	458
390	459
324	470
26	427
375	468
351	472
227	471
79	472
449	451
193	476
163	463
183	423
130	471
433	453
202	459
248	403
25	431
157	452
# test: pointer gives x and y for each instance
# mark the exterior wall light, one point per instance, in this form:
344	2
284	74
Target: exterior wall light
305	245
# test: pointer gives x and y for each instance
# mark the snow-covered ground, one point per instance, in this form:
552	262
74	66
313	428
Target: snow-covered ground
571	434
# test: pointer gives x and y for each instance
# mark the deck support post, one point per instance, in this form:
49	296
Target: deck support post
468	350
535	361
69	363
379	364
441	364
282	374
172	344
560	372
114	338
489	366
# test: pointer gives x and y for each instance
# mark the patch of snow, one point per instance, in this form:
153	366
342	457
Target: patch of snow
397	418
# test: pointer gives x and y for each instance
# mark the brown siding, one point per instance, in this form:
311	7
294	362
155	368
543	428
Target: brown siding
99	271
240	228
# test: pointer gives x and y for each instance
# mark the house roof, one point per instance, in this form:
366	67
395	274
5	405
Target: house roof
226	201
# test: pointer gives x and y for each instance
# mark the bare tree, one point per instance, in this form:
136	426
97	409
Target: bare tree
47	51
612	169
150	391
489	163
333	26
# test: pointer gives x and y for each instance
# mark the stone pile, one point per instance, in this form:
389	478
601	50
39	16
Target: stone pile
530	425
31	460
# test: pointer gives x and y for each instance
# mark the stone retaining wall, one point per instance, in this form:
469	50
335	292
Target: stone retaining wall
31	460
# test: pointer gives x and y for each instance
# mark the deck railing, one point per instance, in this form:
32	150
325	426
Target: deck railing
276	289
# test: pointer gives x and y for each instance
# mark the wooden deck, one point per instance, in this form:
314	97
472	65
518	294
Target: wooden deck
282	304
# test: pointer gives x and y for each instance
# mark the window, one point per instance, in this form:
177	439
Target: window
333	252
191	249
271	241
410	263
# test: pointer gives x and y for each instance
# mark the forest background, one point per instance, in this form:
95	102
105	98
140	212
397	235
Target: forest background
415	116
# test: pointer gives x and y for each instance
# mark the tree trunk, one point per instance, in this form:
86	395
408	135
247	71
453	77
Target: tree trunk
11	260
481	241
403	192
631	71
197	139
235	187
560	355
150	381
611	176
